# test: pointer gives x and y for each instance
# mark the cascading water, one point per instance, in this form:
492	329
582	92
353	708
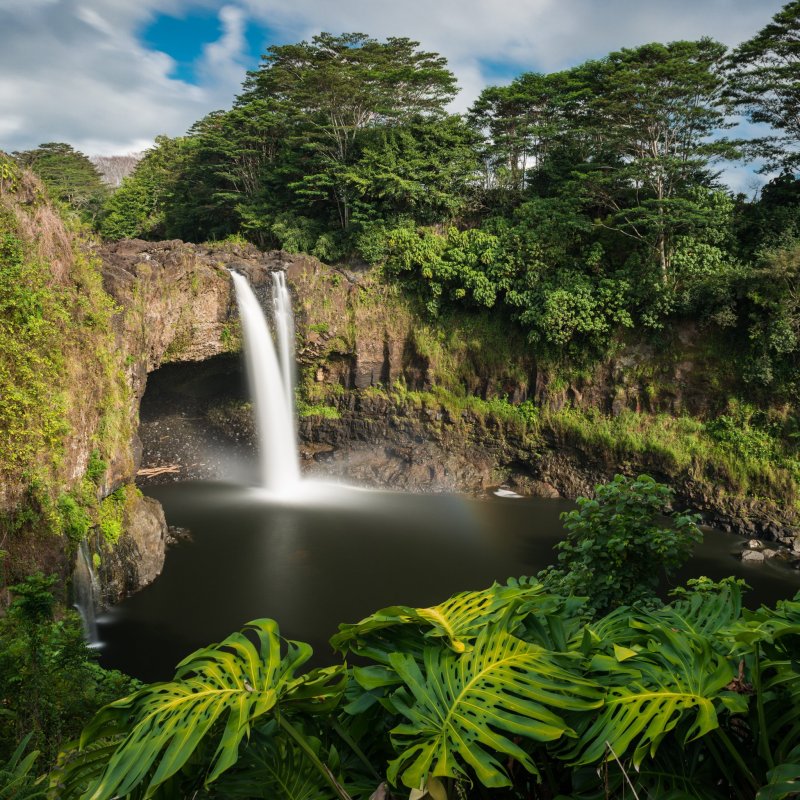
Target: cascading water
84	590
284	327
270	385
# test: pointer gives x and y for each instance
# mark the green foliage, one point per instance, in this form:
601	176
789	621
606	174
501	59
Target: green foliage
9	174
138	208
772	319
505	687
234	684
740	430
111	514
69	176
763	84
31	313
16	780
617	544
329	93
469	708
318	410
96	468
33	598
461	265
572	307
50	684
75	521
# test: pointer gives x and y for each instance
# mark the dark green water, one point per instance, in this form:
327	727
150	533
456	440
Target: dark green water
318	562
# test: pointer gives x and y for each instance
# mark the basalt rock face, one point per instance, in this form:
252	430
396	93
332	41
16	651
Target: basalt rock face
358	335
384	443
174	305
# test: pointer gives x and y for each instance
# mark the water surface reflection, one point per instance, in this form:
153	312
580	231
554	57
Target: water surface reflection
338	554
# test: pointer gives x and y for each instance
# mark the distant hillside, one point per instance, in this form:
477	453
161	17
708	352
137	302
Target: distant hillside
114	168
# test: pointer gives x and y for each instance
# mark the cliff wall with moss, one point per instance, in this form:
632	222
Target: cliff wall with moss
459	402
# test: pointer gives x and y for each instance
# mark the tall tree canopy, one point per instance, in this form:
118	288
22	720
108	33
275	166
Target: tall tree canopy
335	87
652	114
765	84
69	176
519	121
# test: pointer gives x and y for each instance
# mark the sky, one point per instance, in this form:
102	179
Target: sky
108	76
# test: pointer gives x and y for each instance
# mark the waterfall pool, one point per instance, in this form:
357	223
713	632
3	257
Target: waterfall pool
337	554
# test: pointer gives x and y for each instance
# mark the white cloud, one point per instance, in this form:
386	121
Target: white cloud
543	35
222	64
76	71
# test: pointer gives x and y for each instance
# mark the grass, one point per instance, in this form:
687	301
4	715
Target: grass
747	460
321	411
680	446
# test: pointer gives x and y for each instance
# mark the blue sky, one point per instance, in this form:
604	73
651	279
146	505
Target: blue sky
110	75
183	37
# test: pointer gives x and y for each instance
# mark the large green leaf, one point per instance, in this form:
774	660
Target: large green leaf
275	768
674	678
783	781
768	642
469	708
216	695
705	612
456	621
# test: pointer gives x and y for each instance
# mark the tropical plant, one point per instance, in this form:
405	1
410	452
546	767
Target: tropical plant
204	714
16	779
50	683
499	687
617	548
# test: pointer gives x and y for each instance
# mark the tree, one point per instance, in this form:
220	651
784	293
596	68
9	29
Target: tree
336	87
652	114
764	83
144	200
69	175
520	122
423	169
236	157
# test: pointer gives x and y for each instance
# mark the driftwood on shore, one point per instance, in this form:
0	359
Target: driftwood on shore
164	469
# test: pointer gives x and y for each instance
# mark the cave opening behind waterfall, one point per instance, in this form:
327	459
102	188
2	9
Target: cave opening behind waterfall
195	424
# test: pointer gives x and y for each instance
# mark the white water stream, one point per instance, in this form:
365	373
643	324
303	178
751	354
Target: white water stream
284	328
85	591
271	385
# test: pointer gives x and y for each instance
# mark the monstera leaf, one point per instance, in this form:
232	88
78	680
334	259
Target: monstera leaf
702	611
665	677
468	709
274	768
455	622
217	694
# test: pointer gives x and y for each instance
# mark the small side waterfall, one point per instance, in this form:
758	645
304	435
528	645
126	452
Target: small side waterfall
85	590
270	383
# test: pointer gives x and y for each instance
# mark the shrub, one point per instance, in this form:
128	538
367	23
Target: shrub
617	545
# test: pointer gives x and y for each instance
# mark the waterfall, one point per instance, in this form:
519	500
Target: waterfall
284	327
85	590
270	384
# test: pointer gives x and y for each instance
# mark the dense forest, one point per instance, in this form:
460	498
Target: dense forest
581	210
575	204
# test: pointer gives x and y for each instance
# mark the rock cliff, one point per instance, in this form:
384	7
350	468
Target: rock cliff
387	394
